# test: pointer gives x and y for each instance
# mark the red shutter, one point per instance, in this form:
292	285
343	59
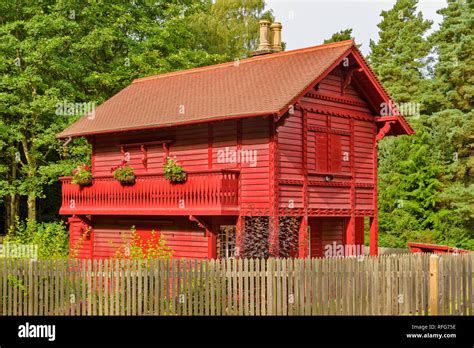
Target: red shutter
336	153
321	152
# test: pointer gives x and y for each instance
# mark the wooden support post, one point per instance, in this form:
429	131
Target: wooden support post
273	219
239	237
351	236
374	247
273	235
303	238
434	281
211	243
359	235
91	244
350	239
374	221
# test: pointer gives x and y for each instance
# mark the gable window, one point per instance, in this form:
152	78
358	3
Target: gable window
332	152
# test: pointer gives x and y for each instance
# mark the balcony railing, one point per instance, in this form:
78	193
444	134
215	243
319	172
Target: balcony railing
204	193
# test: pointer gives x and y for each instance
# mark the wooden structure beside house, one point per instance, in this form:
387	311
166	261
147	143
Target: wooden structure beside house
434	248
288	134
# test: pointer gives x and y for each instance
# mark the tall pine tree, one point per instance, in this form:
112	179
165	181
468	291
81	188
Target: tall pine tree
454	42
426	191
341	35
398	58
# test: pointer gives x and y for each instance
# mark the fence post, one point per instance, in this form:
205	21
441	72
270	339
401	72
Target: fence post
434	291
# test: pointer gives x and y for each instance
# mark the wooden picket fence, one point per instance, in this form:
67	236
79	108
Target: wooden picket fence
402	284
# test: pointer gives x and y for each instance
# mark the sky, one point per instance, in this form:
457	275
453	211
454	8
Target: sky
309	22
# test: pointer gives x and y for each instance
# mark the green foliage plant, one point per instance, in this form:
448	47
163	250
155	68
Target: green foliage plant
173	172
125	175
52	238
82	175
137	248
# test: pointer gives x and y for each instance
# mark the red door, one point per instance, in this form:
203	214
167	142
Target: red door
315	241
326	236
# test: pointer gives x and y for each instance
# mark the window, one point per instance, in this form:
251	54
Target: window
226	241
332	152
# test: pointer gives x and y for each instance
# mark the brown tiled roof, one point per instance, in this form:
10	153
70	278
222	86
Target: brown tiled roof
260	85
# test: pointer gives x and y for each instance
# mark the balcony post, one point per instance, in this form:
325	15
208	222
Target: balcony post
211	243
239	236
374	236
303	238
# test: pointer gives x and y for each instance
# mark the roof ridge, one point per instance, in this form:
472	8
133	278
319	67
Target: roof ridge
244	60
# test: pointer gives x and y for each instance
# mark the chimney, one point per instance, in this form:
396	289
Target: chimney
264	46
276	36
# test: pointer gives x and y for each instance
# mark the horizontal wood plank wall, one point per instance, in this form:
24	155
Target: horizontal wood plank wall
255	174
290	150
79	239
332	232
184	237
290	160
224	143
315	237
385	285
191	148
328	113
326	231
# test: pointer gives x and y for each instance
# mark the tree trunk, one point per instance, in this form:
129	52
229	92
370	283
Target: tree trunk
12	207
31	202
8	214
32	164
12	201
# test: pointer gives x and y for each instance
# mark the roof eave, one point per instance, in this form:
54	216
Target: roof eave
400	125
64	135
307	88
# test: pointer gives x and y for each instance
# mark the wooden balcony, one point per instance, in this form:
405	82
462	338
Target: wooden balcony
210	192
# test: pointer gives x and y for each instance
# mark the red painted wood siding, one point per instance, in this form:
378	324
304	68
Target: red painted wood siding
328	148
254	179
315	240
290	150
324	232
78	245
333	230
184	237
191	147
224	141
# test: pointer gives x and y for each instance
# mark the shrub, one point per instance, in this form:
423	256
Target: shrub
51	238
173	171
138	249
85	235
125	175
82	175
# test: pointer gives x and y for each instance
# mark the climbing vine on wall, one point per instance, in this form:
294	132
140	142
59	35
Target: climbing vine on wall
288	234
256	237
256	233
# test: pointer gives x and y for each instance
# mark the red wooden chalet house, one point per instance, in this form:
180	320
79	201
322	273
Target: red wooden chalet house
281	135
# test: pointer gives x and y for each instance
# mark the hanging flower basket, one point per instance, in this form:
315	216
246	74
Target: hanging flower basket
82	175
173	172
125	175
